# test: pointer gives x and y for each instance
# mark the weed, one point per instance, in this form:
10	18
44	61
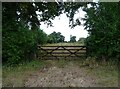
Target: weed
16	76
105	75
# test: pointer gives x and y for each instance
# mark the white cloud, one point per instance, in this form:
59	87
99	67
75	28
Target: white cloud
62	25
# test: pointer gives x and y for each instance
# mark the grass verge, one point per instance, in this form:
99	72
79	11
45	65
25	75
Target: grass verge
105	73
16	76
106	76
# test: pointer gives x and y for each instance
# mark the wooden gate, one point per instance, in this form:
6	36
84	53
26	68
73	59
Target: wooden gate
57	52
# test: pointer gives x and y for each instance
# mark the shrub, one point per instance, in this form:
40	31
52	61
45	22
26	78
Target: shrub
20	43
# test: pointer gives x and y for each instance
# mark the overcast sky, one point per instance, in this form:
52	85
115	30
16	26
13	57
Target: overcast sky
61	24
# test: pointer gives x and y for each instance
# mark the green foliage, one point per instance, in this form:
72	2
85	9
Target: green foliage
15	43
55	37
102	20
26	12
82	41
41	37
72	38
102	23
20	32
20	43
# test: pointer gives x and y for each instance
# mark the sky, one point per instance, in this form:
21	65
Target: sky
61	24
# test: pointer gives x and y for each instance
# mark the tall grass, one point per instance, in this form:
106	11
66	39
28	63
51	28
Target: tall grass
16	76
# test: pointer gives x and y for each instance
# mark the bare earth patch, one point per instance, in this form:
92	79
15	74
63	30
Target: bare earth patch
68	76
60	73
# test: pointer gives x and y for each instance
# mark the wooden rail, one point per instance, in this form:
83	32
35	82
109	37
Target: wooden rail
47	52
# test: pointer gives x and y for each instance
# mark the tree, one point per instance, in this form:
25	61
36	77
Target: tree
55	37
62	38
26	11
18	39
102	21
21	26
82	40
18	43
73	39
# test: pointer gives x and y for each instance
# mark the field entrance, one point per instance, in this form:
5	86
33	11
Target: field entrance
58	52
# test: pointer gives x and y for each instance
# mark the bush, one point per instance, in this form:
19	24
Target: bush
20	43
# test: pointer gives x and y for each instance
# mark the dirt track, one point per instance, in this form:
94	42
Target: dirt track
68	76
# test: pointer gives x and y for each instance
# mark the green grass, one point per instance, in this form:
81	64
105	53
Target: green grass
65	44
106	75
61	63
16	76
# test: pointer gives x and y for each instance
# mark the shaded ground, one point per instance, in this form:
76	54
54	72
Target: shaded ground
60	73
67	76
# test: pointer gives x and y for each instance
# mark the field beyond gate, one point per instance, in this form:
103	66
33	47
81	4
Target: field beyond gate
57	52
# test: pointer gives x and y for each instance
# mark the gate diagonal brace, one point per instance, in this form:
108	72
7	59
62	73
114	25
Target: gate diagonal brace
64	48
78	50
50	52
69	51
45	51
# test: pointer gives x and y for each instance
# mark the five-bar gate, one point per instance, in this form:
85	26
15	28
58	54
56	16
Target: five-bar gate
57	52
